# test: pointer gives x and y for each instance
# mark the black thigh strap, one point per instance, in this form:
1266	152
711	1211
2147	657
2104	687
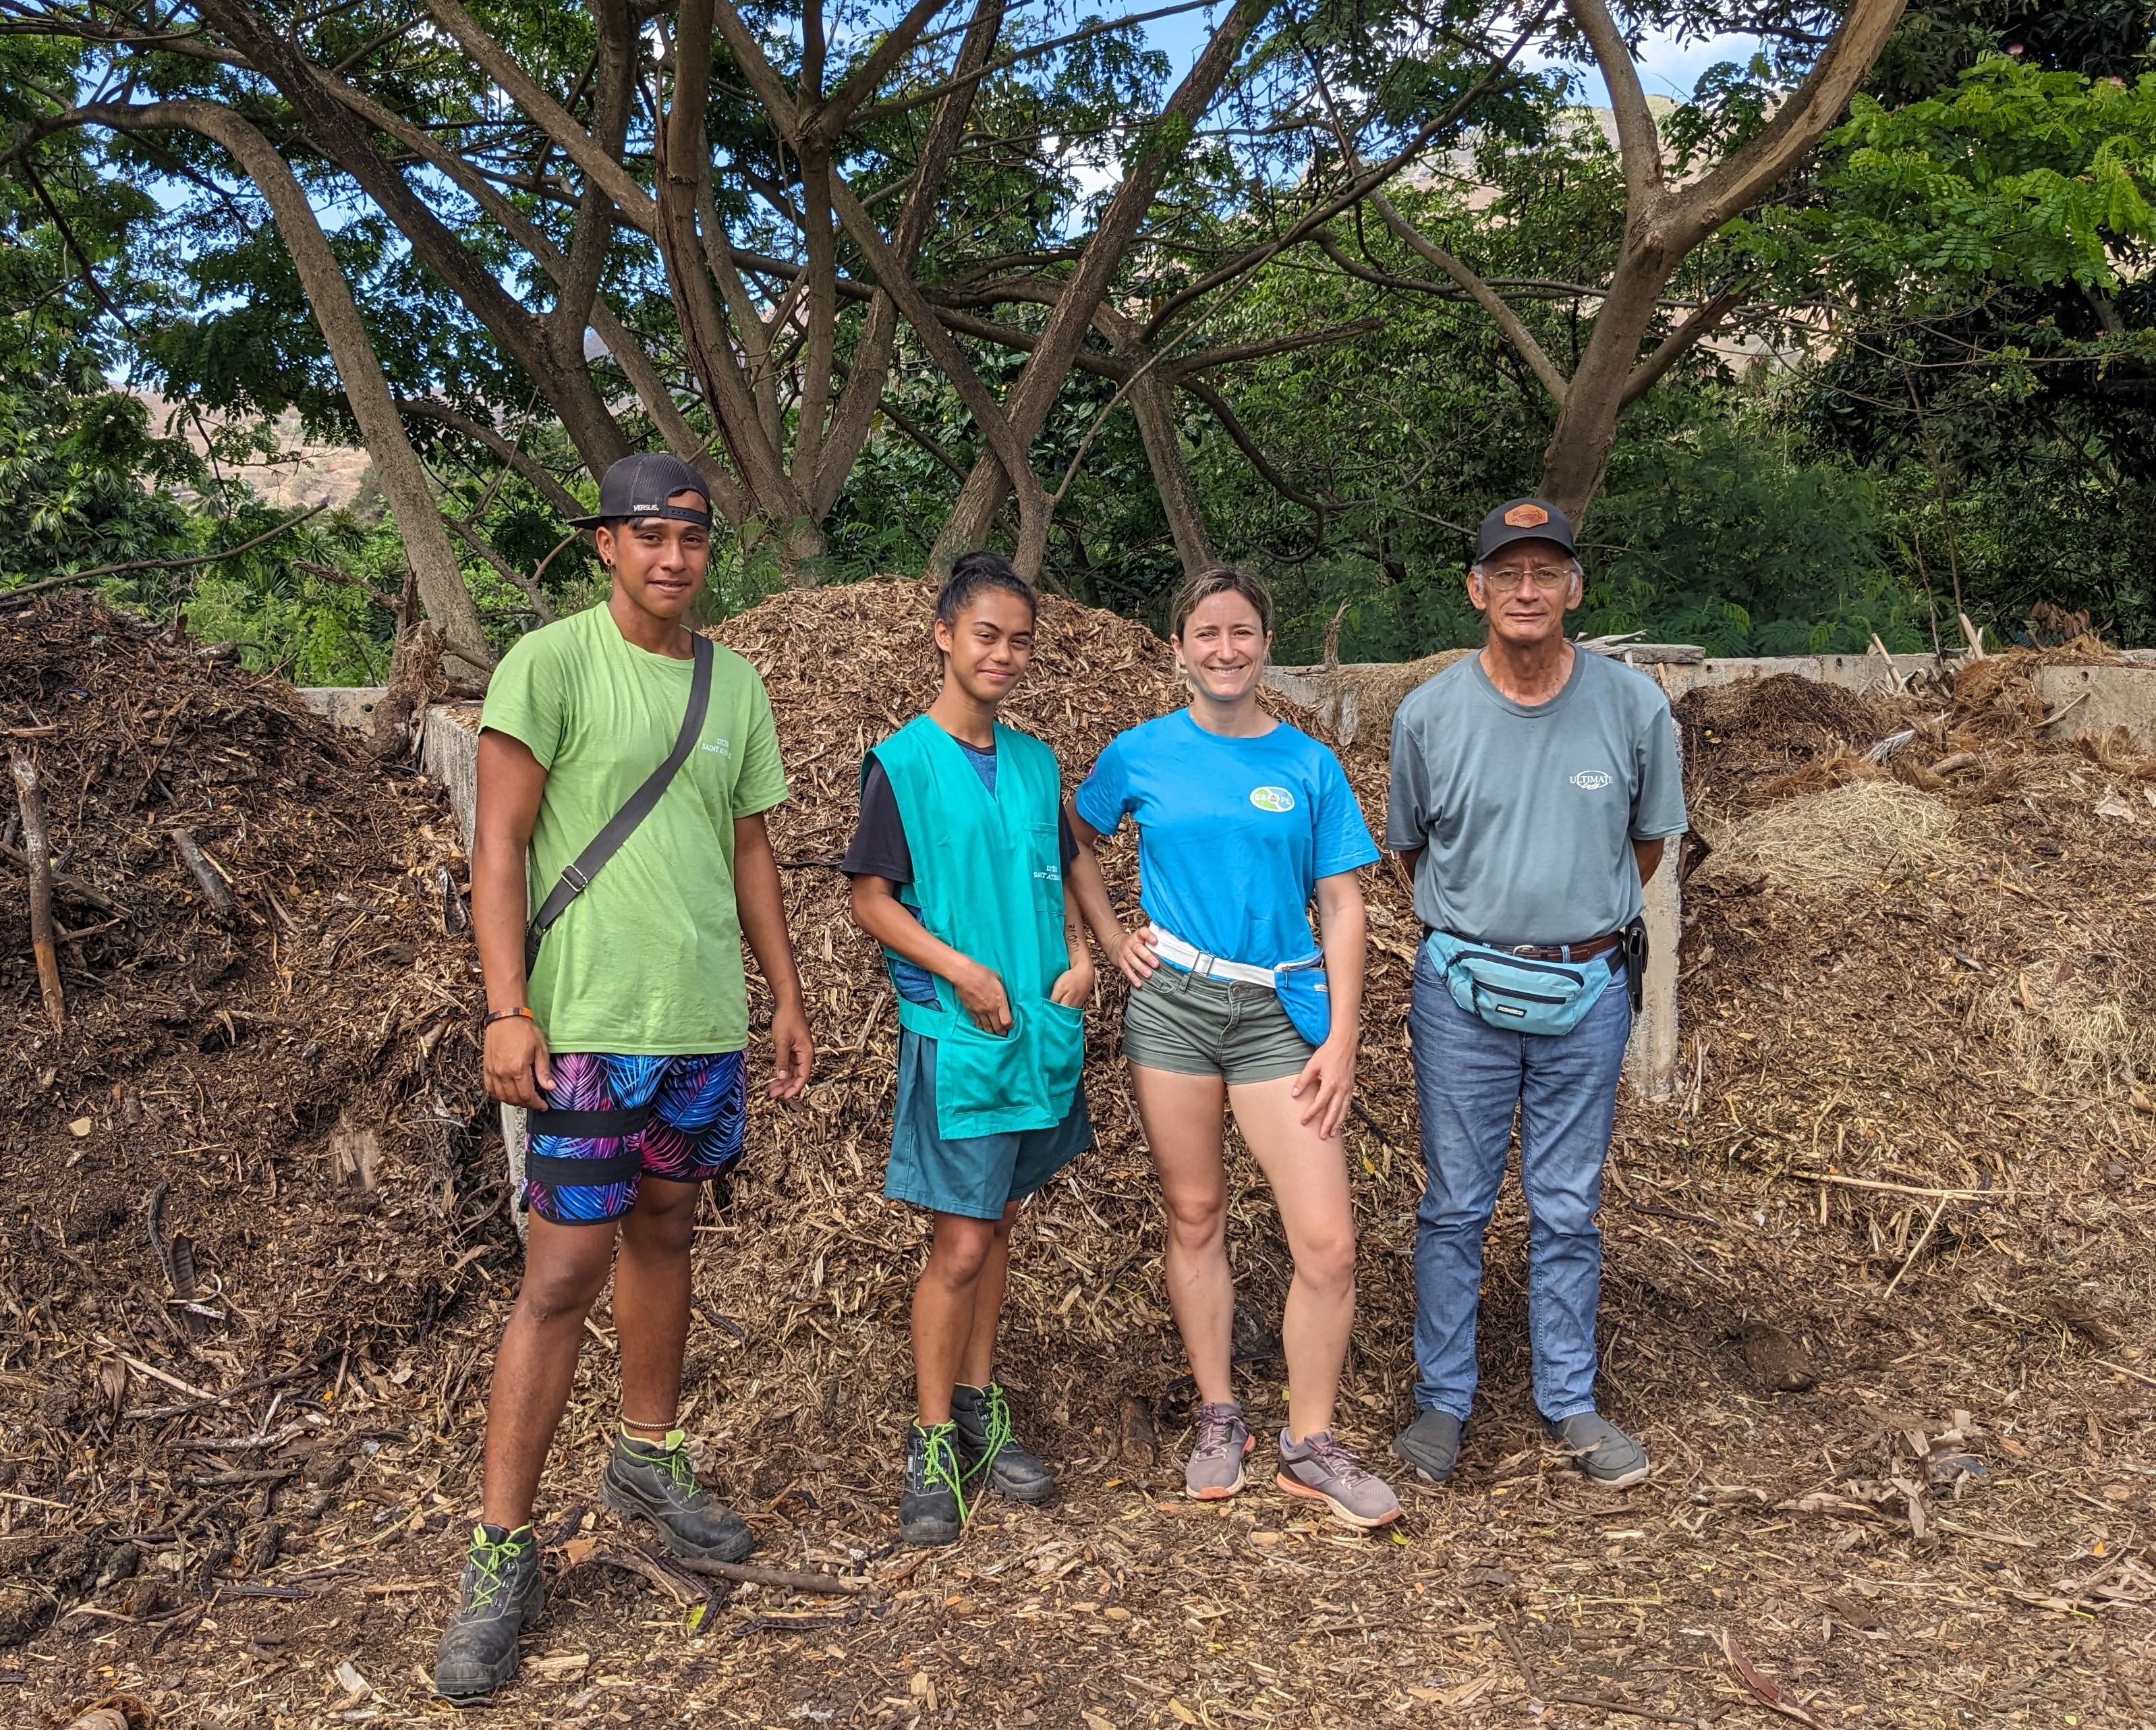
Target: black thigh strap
588	1126
546	1169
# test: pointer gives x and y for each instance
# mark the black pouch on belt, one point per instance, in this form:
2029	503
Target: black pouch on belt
1636	962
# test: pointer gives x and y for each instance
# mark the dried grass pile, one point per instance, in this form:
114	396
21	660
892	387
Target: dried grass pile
1752	742
243	1158
1835	842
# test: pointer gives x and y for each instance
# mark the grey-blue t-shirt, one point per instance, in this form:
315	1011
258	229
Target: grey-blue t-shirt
1526	815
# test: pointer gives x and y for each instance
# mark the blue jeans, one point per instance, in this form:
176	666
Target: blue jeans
1469	1078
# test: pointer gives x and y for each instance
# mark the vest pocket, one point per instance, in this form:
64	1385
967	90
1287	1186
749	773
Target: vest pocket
1026	1079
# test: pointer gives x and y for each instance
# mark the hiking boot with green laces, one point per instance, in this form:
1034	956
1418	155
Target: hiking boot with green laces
987	1457
500	1594
932	1508
654	1482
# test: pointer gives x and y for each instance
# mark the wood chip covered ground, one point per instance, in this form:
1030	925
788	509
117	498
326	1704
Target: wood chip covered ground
1879	1280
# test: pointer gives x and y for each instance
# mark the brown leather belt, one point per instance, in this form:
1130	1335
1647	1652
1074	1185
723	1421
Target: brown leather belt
1586	951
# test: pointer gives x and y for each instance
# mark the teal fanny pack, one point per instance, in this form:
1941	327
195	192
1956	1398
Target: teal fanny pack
1516	994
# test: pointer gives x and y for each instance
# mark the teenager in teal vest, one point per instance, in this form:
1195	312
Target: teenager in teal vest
958	869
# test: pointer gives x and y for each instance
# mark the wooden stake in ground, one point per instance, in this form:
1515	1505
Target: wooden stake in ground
37	849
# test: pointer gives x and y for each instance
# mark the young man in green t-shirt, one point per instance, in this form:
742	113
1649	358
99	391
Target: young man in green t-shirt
958	872
625	1042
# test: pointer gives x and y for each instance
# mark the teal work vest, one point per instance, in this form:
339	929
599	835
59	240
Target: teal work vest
988	880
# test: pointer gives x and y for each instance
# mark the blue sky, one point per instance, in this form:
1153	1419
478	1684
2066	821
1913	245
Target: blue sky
1667	67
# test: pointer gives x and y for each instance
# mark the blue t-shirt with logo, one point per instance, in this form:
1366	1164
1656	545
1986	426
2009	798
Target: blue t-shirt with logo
1233	833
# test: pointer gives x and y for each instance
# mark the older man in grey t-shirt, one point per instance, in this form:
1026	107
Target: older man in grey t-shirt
1534	787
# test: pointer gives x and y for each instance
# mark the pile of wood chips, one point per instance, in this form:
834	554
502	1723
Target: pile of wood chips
1876	1293
247	1157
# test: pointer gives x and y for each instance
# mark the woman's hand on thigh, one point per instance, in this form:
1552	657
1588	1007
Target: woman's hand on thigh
1326	1085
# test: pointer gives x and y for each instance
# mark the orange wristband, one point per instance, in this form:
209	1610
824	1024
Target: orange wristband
519	1013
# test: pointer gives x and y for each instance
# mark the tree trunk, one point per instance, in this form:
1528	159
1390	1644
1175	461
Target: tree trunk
403	478
1594	401
1152	401
1152	397
801	555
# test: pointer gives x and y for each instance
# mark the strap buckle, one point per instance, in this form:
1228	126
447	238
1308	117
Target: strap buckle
575	878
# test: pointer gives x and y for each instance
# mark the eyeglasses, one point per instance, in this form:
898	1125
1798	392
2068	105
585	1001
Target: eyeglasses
1550	579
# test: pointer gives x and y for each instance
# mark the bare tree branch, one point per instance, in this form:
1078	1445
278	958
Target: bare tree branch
1232	425
831	116
1487	298
1638	143
1359	186
1798	123
479	544
995	425
552	118
522	461
1672	347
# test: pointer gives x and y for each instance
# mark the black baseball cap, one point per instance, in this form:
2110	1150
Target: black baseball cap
640	485
1523	519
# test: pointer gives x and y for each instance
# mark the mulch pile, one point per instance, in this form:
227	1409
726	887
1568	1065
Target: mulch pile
1872	1292
240	1163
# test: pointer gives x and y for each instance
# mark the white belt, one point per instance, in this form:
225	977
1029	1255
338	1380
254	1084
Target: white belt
1177	953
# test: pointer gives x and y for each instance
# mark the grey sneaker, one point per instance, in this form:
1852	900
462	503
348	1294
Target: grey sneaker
1609	1456
1214	1470
657	1484
1431	1444
500	1594
1319	1467
985	1450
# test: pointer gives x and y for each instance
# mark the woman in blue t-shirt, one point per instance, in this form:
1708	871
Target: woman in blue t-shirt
1241	821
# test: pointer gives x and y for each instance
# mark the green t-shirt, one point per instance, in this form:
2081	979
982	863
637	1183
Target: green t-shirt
648	960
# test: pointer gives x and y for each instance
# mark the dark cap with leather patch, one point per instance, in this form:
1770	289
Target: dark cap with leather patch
640	485
1522	520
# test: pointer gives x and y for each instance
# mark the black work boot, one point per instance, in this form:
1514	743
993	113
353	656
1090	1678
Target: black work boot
987	1457
500	1594
654	1482
932	1508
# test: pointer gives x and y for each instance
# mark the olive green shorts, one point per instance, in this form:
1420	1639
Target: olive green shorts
1194	1026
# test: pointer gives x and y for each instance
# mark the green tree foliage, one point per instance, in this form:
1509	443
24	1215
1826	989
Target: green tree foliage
1933	393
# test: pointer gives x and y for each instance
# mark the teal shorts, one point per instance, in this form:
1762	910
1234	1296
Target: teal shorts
975	1175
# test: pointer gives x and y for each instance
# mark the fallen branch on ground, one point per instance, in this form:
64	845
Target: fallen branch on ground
786	1579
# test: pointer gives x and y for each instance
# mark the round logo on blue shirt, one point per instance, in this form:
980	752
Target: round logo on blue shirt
1591	780
1272	799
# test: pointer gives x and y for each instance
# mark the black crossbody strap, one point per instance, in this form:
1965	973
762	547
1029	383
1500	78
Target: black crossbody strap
577	875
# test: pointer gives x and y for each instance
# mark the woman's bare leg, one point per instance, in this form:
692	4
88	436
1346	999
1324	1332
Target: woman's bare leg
1182	1115
1309	1180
